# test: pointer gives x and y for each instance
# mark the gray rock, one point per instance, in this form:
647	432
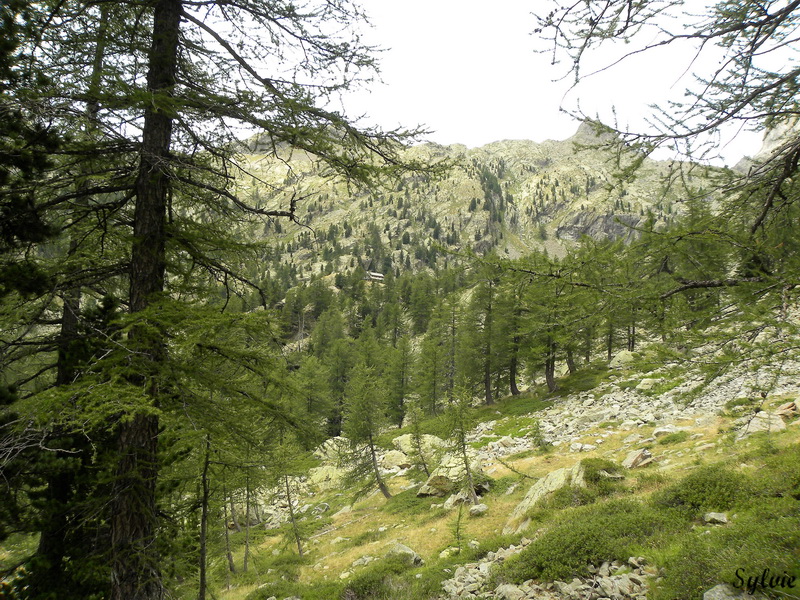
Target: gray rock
762	421
715	518
665	430
647	384
548	484
477	510
725	591
406	553
395	458
449	475
508	591
430	444
622	359
637	458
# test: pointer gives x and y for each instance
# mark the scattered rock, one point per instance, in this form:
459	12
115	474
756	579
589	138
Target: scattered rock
477	510
715	518
647	384
725	591
508	591
637	458
761	421
406	553
395	459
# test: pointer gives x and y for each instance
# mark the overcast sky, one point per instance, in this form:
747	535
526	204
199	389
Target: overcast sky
468	70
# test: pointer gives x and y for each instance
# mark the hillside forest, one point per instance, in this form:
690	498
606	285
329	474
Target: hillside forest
213	286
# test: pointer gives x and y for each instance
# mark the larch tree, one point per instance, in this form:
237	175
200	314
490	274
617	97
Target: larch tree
172	84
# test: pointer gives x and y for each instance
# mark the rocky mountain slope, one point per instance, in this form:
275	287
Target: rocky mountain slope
624	434
508	196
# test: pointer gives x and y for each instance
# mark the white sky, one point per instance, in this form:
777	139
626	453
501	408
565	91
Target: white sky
468	70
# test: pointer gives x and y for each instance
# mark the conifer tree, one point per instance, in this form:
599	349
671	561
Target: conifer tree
365	414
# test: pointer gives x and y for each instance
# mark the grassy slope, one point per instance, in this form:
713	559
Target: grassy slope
764	533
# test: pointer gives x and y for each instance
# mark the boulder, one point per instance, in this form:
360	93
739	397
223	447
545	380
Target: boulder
715	518
725	591
637	458
326	477
405	553
555	480
761	421
450	475
788	410
507	591
622	359
477	510
665	430
430	444
647	384
395	459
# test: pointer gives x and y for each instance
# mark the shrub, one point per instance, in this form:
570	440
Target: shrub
589	535
603	476
569	496
376	582
765	537
674	438
712	487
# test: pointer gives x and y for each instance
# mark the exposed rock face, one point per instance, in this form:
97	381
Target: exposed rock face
555	480
449	475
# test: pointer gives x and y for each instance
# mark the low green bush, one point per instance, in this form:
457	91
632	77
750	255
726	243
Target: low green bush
674	438
378	581
589	535
569	496
713	487
767	536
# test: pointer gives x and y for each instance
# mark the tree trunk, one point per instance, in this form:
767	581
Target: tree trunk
513	365
134	568
487	369
295	528
571	361
610	340
381	485
246	523
234	516
550	366
228	553
60	490
201	594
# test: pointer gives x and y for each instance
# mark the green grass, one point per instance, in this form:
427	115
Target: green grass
674	438
407	502
589	535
